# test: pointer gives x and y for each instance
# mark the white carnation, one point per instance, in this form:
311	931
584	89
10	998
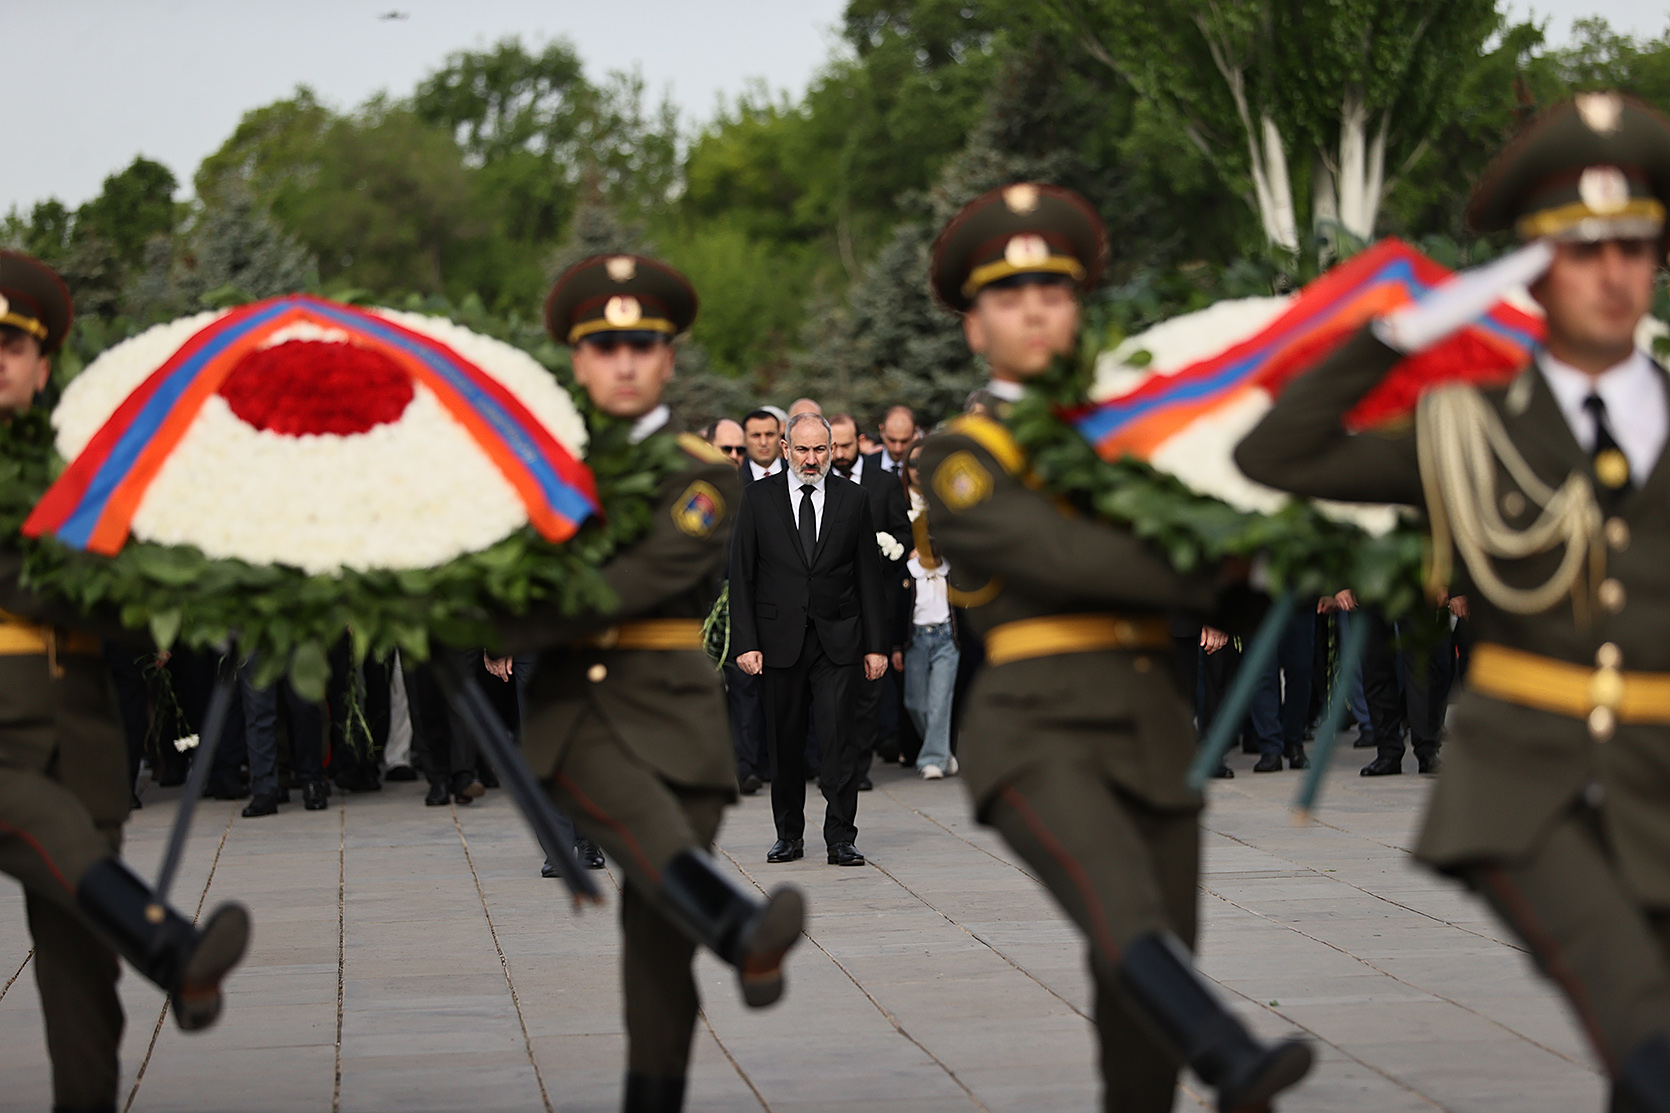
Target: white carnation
889	546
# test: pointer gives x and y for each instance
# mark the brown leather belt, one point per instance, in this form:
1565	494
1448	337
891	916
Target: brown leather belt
649	633
1056	634
1604	695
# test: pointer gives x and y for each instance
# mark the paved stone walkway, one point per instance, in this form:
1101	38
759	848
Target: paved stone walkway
411	958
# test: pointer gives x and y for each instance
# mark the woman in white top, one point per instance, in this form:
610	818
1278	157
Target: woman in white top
930	656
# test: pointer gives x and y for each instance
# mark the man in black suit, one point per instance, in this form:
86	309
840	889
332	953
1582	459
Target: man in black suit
878	704
808	614
763	434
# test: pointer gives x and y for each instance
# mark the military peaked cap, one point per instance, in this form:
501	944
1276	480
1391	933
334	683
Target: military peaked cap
619	293
1023	228
33	298
1594	168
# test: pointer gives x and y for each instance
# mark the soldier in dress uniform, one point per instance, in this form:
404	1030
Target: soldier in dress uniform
626	719
1554	804
1078	737
65	788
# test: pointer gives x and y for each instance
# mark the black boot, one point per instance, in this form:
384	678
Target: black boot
645	1093
164	946
1643	1085
750	935
1297	758
1246	1074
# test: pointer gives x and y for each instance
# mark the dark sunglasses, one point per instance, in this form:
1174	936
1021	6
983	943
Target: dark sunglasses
732	449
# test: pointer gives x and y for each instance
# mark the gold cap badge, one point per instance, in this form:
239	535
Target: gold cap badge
621	268
1021	198
1604	189
623	312
1026	250
1600	111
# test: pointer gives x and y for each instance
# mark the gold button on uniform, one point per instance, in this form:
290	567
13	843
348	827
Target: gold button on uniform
1612	468
1617	534
597	673
1611	595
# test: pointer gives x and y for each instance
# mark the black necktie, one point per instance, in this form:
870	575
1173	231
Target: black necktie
808	522
1611	465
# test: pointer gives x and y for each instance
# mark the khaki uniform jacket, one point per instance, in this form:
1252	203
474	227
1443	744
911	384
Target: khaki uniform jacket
1510	771
1016	554
666	706
66	726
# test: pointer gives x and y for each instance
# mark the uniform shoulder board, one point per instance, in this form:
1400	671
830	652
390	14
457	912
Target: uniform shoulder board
696	447
994	437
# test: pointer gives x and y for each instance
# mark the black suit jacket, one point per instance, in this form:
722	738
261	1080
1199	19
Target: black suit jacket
746	471
890	511
775	593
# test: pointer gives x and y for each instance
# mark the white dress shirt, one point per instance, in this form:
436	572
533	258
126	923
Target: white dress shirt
888	464
933	605
649	423
760	473
1005	391
857	471
1635	407
795	495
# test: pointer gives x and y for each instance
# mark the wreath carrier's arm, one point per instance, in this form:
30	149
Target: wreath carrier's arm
1301	445
1019	535
20	602
678	554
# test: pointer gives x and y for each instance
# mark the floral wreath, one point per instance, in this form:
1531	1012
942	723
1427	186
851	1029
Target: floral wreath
288	472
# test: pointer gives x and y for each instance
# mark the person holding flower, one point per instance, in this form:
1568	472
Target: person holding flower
64	785
927	655
626	718
1078	736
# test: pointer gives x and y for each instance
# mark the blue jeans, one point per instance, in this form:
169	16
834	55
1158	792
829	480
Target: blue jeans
930	679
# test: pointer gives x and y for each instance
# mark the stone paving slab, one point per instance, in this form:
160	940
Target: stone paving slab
411	958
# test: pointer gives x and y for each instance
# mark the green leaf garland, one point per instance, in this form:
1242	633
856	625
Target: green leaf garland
1306	551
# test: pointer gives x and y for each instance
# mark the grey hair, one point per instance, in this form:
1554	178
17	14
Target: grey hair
788	434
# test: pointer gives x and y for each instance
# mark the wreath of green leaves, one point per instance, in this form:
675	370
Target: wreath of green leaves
290	619
1307	552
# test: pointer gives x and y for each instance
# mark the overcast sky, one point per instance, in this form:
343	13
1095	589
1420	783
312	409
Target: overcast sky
104	80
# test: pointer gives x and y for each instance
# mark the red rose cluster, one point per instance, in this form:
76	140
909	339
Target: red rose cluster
312	387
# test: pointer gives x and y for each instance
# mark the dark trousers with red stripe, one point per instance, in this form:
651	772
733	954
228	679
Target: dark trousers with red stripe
1119	869
1609	955
642	821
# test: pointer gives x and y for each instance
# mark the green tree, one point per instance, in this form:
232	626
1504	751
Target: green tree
135	206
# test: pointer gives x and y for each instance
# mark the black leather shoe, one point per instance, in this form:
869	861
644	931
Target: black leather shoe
1363	741
400	773
549	869
1268	763
750	785
438	794
786	850
588	853
1383	767
865	786
466	787
261	804
1428	763
1222	773
1296	758
315	796
845	854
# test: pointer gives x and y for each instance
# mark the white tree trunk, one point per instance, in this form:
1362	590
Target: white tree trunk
1281	219
1360	172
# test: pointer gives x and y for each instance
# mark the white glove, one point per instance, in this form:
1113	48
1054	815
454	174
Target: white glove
1461	300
